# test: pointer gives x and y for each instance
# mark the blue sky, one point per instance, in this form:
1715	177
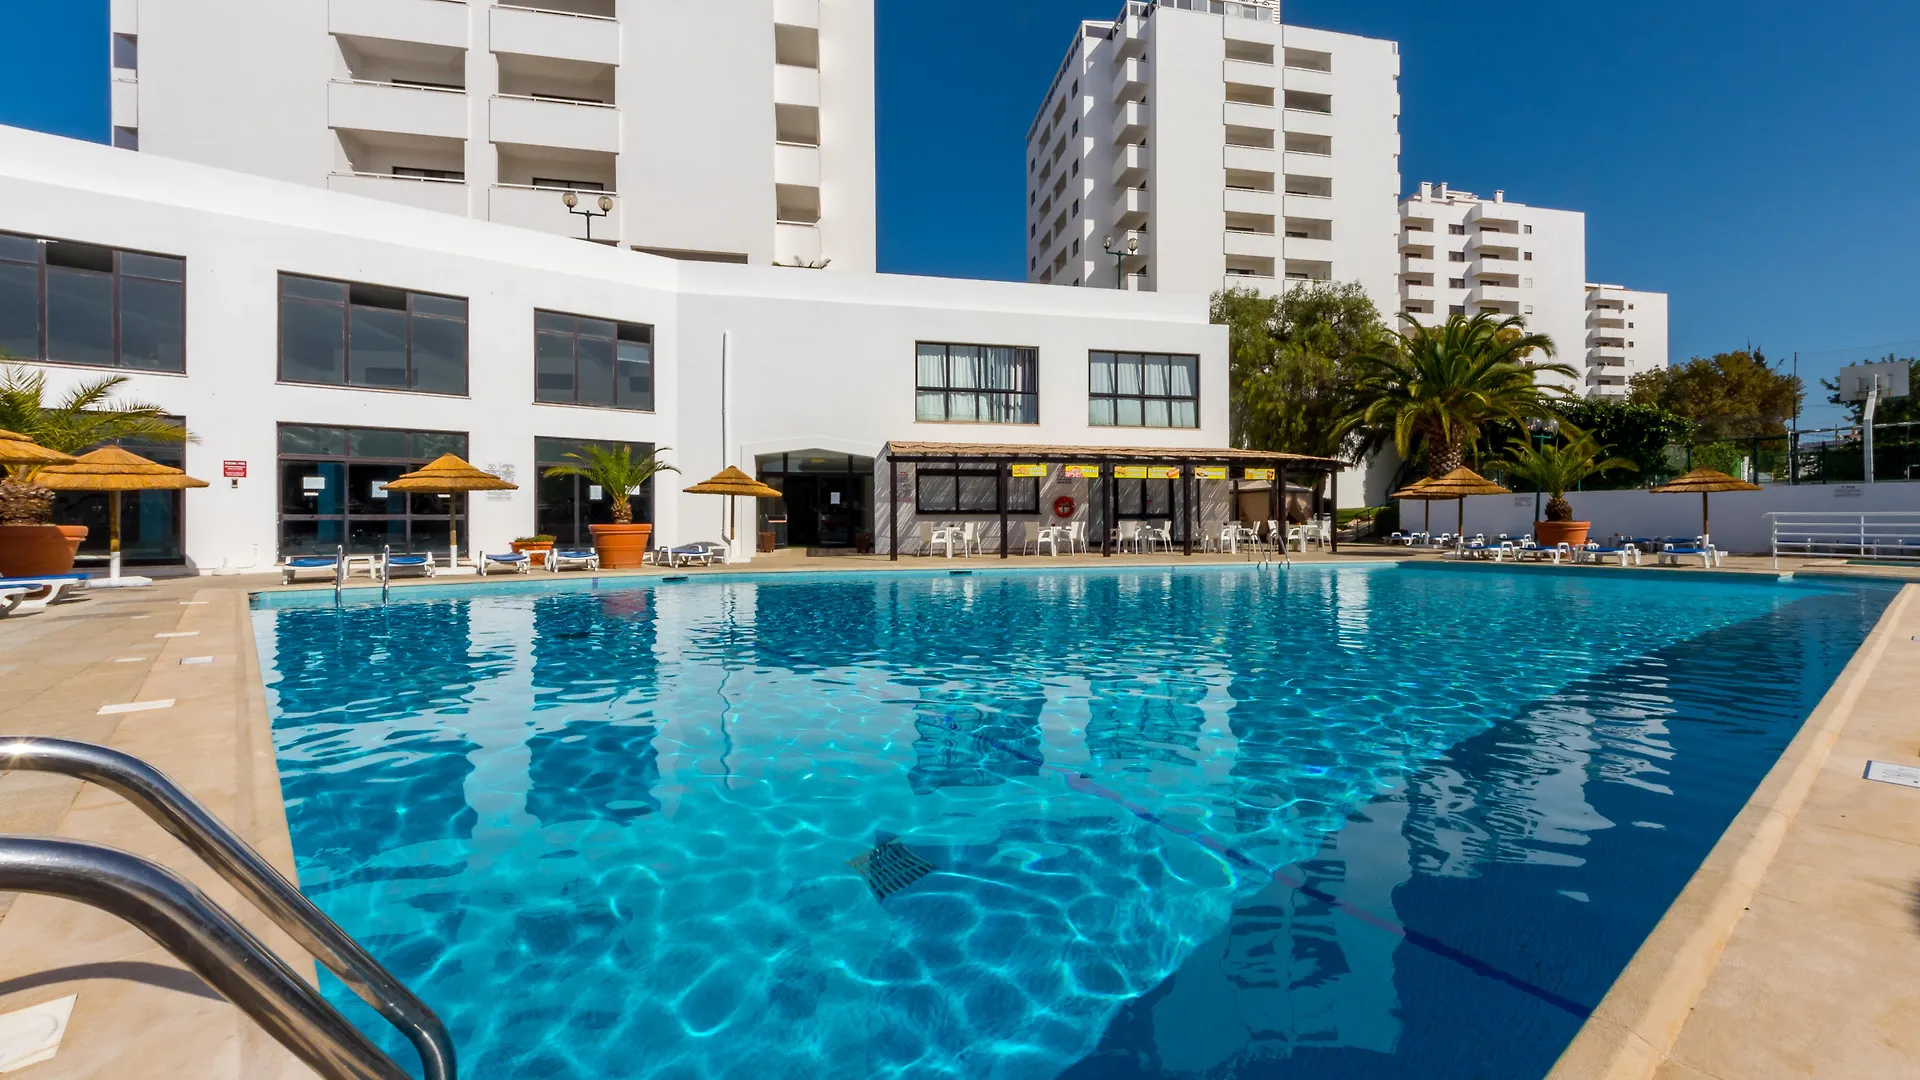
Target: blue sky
1758	160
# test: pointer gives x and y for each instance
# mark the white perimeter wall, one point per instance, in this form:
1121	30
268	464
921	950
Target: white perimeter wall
1738	517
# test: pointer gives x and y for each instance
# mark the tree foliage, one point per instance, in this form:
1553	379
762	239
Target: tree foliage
1638	433
1445	385
84	416
1561	465
1292	370
1728	395
1888	411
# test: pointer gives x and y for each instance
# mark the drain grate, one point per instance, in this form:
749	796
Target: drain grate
890	867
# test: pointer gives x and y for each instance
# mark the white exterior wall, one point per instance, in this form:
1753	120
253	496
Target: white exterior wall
814	361
1626	336
304	90
1156	95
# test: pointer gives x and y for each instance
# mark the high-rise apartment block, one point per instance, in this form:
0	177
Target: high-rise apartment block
1463	254
735	132
1216	146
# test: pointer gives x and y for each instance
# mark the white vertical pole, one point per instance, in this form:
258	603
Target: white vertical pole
1866	427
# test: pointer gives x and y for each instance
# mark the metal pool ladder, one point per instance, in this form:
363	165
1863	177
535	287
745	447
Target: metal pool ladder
182	920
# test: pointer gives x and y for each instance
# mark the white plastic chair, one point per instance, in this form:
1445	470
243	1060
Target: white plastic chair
1076	536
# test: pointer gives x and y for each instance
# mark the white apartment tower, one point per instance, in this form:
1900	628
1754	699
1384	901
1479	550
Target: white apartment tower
730	132
1216	146
1463	254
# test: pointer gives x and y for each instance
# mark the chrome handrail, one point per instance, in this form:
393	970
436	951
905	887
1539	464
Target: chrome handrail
181	919
206	836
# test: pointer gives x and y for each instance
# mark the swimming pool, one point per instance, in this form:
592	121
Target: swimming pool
1215	821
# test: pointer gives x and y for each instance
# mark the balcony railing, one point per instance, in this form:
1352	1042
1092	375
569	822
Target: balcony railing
365	105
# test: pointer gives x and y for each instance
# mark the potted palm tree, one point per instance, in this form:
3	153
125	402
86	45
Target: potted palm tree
86	415
621	544
1443	385
1555	468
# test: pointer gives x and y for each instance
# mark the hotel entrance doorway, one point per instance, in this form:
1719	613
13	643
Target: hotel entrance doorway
826	499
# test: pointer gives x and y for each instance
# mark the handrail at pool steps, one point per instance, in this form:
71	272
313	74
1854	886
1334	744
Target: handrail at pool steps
1876	535
182	920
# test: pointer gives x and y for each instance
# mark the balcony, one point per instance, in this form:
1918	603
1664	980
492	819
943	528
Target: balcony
1417	243
1130	165
430	22
1308	249
446	196
126	101
1503	296
796	165
1247	73
1426	294
801	242
1608	318
1504	241
1248	279
1260	203
1414	264
1494	265
1130	36
1242	114
1130	122
1251	245
541	209
1298	164
797	13
559	35
123	17
1251	159
1132	207
1307	206
1607	299
1494	213
1130	81
401	110
796	85
1607	356
569	125
1307	80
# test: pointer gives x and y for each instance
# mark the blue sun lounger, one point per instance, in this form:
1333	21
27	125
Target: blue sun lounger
58	587
291	569
515	561
406	564
573	559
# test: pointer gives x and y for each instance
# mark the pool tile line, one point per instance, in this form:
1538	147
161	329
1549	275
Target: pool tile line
1084	784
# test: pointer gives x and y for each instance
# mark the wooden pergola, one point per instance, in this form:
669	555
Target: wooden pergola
1003	456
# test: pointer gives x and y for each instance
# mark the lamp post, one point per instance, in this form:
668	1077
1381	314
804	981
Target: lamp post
1119	257
1542	430
605	202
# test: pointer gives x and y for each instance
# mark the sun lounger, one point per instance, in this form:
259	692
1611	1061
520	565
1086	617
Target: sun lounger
59	588
513	561
292	568
406	564
1671	554
10	598
573	559
1595	553
704	552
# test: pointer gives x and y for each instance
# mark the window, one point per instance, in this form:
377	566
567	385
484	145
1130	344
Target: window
1526	229
1031	230
68	303
973	491
1629	326
1076	208
1527	310
598	362
1076	127
1076	166
570	185
1143	390
333	490
1527	256
1456	256
339	334
126	52
1457	283
1457	230
1076	86
1149	499
565	505
985	384
1033	263
428	174
1456	309
1076	246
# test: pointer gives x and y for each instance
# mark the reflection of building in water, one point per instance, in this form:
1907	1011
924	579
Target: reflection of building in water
591	769
1132	721
963	744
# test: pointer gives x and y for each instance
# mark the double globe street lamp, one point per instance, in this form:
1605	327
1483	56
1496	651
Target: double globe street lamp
1119	258
605	202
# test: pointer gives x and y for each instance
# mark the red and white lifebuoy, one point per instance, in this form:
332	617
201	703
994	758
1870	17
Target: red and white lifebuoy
1063	506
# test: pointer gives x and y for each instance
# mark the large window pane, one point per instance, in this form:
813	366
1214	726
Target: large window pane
312	487
366	489
439	355
79	317
1153	380
596	371
1100	373
929	406
634	379
292	285
1127	412
377	348
153	266
963	407
377	443
313	342
979	379
15	248
1156	412
1100	412
597	362
553	367
1126	375
1152	390
19	310
938	493
299	439
428	445
979	494
930	365
152	325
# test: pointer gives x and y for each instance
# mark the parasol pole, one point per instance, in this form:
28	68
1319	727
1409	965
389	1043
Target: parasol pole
1705	537
453	531
113	535
1460	526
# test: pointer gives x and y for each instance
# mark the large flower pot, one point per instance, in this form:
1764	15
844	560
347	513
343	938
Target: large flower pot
1549	533
621	546
35	550
74	534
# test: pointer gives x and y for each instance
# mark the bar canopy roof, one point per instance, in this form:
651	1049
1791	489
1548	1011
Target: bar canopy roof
932	451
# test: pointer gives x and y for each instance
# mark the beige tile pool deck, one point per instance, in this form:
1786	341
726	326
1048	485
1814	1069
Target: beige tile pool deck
1792	953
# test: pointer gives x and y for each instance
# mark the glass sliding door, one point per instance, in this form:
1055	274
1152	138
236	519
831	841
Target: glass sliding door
565	505
333	490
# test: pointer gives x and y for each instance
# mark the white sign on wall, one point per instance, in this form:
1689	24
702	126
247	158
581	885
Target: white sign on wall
1846	491
313	483
504	470
377	490
595	493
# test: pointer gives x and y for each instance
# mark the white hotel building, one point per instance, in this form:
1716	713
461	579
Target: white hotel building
1462	254
1217	146
323	342
732	132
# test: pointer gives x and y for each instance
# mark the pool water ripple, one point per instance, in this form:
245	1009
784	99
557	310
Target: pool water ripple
606	833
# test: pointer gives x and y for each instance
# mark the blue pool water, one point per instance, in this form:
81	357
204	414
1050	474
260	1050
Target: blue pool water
1213	822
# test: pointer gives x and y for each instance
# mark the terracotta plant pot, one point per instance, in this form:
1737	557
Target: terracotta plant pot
74	534
621	546
35	550
1549	533
535	550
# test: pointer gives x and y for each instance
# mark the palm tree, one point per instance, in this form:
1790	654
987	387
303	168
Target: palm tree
1444	384
85	415
615	470
1556	467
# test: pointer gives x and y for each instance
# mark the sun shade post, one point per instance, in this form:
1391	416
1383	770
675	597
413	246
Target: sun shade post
1001	472
893	508
1333	512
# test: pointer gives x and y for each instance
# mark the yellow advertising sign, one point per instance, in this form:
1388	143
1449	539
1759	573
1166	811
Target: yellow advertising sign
1030	470
1130	472
1163	472
1081	472
1258	474
1209	472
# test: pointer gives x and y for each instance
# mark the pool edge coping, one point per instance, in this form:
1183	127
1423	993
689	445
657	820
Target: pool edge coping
1632	1033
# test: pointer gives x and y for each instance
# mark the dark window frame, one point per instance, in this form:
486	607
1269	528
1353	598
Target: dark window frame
1029	354
116	275
1016	503
1116	397
346	344
346	460
653	361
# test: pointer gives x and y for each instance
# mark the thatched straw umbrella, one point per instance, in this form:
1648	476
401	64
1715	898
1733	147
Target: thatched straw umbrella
1413	491
448	475
20	500
1459	484
732	483
113	470
16	449
1706	482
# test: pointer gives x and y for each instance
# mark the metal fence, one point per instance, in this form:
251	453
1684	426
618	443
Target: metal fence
1817	456
1886	535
